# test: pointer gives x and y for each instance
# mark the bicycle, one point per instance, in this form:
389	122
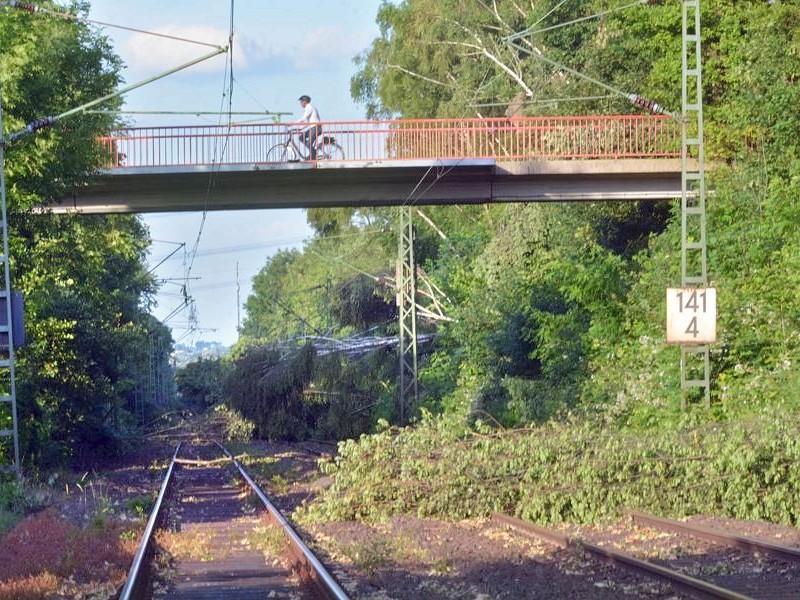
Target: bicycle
291	151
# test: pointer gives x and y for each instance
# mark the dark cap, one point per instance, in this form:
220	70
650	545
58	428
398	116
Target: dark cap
304	97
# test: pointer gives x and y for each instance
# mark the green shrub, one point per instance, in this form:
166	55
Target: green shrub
580	472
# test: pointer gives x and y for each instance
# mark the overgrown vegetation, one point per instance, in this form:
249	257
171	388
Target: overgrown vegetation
51	557
559	309
576	471
201	383
549	390
88	355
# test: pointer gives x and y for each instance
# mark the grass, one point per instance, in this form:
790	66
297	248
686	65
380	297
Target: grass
371	555
183	545
368	557
268	539
271	471
51	556
8	518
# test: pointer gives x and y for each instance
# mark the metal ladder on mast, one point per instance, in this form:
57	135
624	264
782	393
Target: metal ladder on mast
695	360
9	430
407	308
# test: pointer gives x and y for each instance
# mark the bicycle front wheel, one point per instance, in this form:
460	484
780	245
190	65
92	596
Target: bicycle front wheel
330	151
281	153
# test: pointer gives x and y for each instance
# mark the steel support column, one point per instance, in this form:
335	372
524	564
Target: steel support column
9	426
695	360
407	308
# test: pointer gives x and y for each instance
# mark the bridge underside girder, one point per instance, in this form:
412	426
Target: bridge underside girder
330	184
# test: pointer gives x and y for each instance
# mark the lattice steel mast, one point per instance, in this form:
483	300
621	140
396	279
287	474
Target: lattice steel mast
8	391
407	307
695	360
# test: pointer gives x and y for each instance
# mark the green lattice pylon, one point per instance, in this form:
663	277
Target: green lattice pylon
407	309
695	360
9	427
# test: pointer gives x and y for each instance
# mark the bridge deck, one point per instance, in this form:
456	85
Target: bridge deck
303	185
428	161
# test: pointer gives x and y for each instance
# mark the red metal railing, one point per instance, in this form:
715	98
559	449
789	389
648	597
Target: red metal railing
527	138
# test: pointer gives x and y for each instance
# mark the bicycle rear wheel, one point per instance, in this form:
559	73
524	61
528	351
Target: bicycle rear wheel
281	153
330	151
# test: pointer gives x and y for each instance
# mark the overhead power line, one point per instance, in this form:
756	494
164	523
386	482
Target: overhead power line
650	105
38	124
634	98
547	100
34	8
533	31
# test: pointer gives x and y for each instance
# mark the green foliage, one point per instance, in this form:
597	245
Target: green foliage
357	391
269	391
11	495
201	383
336	287
267	306
448	58
49	66
140	506
86	289
301	395
559	309
89	337
359	303
579	472
235	426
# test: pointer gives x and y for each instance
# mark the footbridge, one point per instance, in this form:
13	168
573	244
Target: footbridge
387	163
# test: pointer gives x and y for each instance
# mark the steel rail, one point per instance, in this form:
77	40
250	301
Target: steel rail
715	535
136	582
307	564
696	587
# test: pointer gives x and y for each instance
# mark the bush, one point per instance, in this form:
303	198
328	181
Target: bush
580	472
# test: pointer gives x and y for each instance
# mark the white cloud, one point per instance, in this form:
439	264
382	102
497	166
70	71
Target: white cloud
316	49
328	44
295	50
147	54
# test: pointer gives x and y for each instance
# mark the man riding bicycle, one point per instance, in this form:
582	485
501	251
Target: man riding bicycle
309	133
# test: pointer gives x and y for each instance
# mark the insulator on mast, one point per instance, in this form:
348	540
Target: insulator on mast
31	8
39	124
32	127
650	105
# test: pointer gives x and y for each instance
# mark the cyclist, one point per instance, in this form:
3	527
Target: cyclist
309	133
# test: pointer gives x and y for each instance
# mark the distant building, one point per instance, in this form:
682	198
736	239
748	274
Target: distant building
184	354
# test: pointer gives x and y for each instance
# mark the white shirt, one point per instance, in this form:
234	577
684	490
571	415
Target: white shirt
310	115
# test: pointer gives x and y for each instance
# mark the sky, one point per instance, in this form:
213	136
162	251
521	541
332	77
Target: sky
281	49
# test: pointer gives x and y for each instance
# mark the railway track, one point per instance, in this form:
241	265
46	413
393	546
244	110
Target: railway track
696	561
210	515
228	538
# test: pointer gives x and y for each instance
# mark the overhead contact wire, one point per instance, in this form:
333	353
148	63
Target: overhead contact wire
34	8
532	31
218	153
633	98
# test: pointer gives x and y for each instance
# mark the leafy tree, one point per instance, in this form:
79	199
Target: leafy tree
360	303
202	383
267	306
268	389
89	339
50	65
561	306
545	306
87	290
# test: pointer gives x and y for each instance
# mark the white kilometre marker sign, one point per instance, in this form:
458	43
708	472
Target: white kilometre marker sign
691	315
